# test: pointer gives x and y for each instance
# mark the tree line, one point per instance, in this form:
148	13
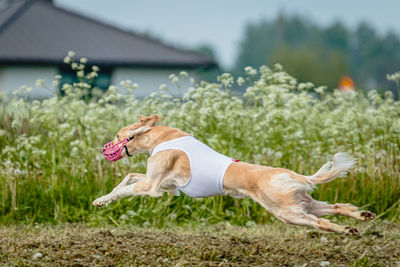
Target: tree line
320	54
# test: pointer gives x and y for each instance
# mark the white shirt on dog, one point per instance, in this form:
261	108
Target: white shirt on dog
207	167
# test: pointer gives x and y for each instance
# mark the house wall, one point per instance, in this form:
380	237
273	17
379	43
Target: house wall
149	80
13	77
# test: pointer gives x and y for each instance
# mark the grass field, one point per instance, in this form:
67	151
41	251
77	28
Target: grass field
52	168
217	245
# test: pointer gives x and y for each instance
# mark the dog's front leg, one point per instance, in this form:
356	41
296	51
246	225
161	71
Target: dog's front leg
130	179
117	193
142	187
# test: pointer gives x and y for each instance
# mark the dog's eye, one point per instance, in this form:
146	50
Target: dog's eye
117	136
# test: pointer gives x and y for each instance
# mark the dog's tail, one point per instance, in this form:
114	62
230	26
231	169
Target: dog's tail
340	166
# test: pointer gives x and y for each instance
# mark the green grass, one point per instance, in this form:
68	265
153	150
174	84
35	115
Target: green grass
52	168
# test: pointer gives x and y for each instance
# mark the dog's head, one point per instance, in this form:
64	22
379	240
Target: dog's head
130	139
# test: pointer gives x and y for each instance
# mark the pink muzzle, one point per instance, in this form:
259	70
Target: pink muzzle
113	152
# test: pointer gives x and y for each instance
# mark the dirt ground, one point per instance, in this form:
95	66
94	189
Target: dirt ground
218	245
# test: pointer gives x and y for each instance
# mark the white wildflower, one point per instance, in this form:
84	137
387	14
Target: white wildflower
40	82
226	79
71	53
15	124
163	87
250	71
395	77
91	75
320	89
183	74
278	67
174	78
301	86
74	151
240	81
83	60
112	88
80	74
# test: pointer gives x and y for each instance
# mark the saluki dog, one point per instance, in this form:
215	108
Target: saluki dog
181	163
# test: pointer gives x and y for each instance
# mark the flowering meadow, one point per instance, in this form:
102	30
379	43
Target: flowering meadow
52	168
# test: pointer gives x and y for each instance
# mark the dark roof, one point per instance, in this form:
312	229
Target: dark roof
37	32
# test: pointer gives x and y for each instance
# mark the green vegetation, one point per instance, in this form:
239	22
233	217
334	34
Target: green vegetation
52	168
321	54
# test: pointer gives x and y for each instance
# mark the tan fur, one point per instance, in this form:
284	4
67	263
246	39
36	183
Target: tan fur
280	191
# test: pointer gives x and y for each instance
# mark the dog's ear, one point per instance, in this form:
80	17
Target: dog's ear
146	123
153	119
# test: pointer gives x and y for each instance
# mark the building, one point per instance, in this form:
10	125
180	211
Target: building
36	35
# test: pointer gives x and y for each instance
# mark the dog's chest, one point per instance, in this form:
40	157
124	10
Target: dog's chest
207	167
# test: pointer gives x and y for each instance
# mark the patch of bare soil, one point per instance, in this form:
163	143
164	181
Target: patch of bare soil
219	245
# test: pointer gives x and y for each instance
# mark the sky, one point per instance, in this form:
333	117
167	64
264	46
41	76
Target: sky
221	23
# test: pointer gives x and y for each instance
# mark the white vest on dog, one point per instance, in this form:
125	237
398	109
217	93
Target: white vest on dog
207	167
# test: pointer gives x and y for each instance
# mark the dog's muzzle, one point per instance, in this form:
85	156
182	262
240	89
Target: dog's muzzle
113	152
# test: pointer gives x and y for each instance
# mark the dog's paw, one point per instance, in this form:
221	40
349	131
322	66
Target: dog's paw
366	215
351	231
102	201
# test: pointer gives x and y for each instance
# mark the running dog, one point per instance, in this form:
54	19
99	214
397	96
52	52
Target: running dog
179	162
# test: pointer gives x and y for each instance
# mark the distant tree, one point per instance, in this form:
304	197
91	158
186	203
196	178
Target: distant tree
256	46
317	66
336	36
207	50
262	39
363	46
372	57
208	74
321	54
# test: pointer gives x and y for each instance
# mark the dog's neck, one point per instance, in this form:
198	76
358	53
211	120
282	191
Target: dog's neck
160	134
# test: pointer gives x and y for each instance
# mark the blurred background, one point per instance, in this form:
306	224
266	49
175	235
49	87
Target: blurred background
347	44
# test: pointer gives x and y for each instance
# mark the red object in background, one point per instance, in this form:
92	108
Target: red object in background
346	84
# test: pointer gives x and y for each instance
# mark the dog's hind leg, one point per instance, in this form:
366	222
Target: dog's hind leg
298	217
319	208
291	209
